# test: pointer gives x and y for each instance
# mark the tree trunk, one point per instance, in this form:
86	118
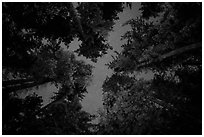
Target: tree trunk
57	101
50	104
26	85
76	18
170	54
16	81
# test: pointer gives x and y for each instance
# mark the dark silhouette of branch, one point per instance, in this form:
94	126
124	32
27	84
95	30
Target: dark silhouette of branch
56	101
25	85
170	54
16	81
50	104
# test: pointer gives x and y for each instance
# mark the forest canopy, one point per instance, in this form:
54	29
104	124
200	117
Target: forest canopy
166	40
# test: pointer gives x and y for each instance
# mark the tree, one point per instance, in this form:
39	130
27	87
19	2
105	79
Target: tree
150	41
134	110
32	36
64	114
18	112
25	30
32	39
24	116
171	49
71	76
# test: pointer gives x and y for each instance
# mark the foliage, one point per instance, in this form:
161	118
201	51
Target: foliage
33	34
28	25
23	117
131	111
148	40
159	41
72	77
171	102
18	112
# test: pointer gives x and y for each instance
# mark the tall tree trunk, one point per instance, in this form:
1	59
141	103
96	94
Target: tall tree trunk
77	20
17	87
57	101
16	81
170	54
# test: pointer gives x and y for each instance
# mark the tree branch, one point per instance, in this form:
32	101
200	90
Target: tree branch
170	54
25	85
16	81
